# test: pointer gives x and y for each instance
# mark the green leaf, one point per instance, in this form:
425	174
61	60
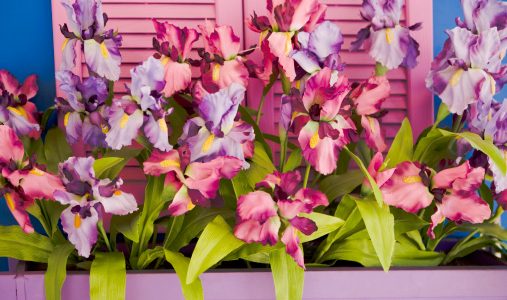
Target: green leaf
46	116
177	120
485	146
254	252
259	137
57	270
14	243
490	229
180	263
287	276
127	225
374	186
294	161
56	148
335	186
108	277
107	167
405	222
468	247
215	243
48	213
325	225
432	148
402	147
443	112
380	225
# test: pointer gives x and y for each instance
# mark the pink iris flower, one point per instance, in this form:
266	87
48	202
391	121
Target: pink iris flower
221	42
455	191
284	20
23	181
15	109
196	183
174	45
260	213
326	130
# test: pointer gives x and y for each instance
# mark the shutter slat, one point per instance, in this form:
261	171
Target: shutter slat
171	11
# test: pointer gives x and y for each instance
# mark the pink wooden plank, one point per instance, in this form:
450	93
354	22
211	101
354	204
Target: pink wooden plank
147	10
146	25
420	100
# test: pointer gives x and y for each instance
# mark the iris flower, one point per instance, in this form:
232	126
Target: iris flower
145	108
86	24
217	131
21	180
15	109
174	45
389	42
196	183
261	213
83	108
86	197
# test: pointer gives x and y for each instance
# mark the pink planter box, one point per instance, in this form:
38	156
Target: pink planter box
320	284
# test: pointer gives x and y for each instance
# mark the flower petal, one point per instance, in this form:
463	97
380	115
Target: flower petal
178	77
104	58
124	127
120	203
256	205
11	148
292	247
82	232
17	206
181	203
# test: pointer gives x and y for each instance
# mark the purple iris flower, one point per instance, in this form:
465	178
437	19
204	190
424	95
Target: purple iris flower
469	68
83	108
390	43
86	23
481	15
145	108
217	132
87	197
320	48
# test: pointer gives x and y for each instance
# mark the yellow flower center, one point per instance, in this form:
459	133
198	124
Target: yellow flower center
215	75
207	143
190	205
10	201
77	221
389	38
66	119
162	124
412	179
105	129
103	50
314	141
118	193
124	120
165	60
65	42
456	77
36	172
169	163
20	111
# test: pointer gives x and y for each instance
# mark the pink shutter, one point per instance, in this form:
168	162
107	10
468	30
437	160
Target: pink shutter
409	97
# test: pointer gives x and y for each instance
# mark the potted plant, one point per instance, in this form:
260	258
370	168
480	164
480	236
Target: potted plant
217	197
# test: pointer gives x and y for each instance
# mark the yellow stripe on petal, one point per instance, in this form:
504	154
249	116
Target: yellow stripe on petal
389	38
215	75
19	110
10	201
169	163
105	129
190	205
412	179
103	50
36	172
77	221
372	125
314	141
65	42
164	60
163	125
207	143
118	193
288	43
124	120
66	119
456	77
493	85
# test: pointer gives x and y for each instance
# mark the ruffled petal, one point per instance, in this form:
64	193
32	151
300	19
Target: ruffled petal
224	39
162	163
292	246
29	87
17	206
389	46
280	45
374	135
369	96
38	184
325	40
11	148
157	133
124	128
120	203
252	231
73	127
82	232
306	60
181	203
104	58
178	77
8	82
232	71
256	205
468	207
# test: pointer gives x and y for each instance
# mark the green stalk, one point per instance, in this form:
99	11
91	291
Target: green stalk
380	70
104	236
456	249
307	175
259	109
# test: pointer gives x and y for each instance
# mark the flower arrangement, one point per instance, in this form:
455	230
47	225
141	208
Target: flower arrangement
214	192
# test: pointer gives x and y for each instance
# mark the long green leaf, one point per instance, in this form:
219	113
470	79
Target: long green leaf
259	137
335	186
402	148
57	271
215	243
14	243
287	276
433	147
325	225
128	225
48	213
374	186
294	161
380	225
180	263
103	166
108	276
485	146
56	148
443	112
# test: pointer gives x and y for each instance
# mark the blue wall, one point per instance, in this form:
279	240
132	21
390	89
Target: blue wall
27	48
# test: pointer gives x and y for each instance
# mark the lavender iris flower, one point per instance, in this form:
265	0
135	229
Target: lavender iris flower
145	108
86	23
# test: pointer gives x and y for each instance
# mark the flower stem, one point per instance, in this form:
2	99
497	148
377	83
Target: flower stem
307	174
457	123
104	236
380	70
259	109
